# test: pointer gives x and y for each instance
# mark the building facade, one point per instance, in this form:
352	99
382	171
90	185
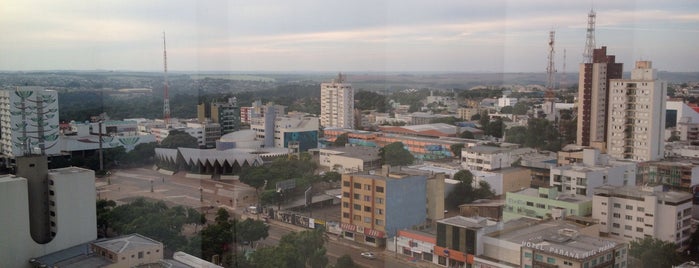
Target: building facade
337	104
377	206
28	122
459	240
680	175
594	171
636	212
636	115
593	96
46	211
545	203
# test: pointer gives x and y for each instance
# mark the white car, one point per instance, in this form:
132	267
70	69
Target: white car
368	255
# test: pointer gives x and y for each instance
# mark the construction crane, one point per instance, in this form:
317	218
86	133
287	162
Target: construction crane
166	98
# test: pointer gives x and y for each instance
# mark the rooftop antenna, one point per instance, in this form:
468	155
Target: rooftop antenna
166	98
590	41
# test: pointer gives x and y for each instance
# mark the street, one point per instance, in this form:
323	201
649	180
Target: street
207	195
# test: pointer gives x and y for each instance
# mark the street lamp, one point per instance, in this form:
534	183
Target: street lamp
201	194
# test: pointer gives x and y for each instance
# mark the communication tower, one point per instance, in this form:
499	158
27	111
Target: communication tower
590	41
166	98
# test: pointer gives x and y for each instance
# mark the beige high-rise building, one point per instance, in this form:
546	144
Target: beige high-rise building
593	97
337	104
636	120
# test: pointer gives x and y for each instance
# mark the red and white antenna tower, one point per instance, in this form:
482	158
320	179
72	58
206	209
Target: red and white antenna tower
166	98
590	41
551	68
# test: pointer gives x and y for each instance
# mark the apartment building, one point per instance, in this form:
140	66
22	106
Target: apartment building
487	158
593	96
636	115
635	212
376	206
545	203
337	104
679	174
595	170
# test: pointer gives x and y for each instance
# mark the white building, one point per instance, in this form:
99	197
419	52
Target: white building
194	131
67	219
337	104
349	159
29	121
505	101
636	115
277	130
594	171
486	158
630	213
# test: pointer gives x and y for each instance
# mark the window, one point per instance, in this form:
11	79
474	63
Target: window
357	206
540	205
615	225
627	227
629	207
527	254
346	183
379	189
140	255
639	229
357	185
367	219
616	215
345	204
538	257
367	198
345	215
356	196
629	217
639	219
530	204
550	260
367	187
367	209
357	218
378	222
345	194
379	200
617	205
379	211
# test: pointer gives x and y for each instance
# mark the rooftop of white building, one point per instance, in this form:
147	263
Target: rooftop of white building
362	152
560	197
640	192
127	243
475	222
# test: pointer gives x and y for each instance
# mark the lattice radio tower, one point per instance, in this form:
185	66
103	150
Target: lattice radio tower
590	41
166	98
551	68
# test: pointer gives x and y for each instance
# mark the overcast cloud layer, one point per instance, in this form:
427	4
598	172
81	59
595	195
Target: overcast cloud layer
358	35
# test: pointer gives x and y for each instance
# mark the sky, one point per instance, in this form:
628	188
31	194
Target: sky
345	36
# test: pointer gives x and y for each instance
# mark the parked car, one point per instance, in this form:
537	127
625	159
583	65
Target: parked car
368	255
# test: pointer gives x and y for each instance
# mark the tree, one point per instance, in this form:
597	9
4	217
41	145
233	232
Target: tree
506	110
142	154
395	154
176	139
332	176
368	100
103	208
517	134
300	249
252	230
447	120
271	197
345	261
463	190
222	216
520	108
467	135
476	117
653	252
495	128
456	149
341	140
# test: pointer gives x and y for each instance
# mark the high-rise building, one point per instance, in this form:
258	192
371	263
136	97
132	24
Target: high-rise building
29	122
226	114
337	104
636	119
593	96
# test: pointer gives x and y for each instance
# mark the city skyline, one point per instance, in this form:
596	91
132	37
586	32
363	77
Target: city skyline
393	36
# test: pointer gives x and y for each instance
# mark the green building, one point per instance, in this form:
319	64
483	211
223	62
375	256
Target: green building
545	203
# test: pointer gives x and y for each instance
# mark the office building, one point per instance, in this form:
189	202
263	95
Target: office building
349	159
636	115
635	212
678	174
459	239
488	158
28	122
593	96
278	130
377	206
226	114
337	104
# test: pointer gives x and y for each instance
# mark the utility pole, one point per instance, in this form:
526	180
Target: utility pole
100	141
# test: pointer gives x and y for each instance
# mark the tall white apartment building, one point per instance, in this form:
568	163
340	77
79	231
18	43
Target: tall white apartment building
337	104
631	212
594	171
636	121
29	122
